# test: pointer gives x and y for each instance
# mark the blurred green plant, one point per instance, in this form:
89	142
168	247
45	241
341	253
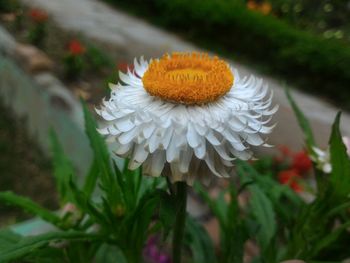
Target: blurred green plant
38	31
82	58
97	59
326	17
74	60
8	5
112	212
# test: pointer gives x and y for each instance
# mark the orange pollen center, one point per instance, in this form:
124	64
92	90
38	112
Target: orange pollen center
188	78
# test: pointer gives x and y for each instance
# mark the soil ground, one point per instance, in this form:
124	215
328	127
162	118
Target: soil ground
23	168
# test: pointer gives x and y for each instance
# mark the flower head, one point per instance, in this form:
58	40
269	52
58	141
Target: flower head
38	15
301	162
322	159
186	116
290	177
75	48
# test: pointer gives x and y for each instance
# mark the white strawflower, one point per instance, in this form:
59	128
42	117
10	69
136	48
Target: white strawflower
322	158
186	116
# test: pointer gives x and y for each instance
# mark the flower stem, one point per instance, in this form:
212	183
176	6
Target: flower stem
180	198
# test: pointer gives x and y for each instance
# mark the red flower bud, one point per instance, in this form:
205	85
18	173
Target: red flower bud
290	177
38	15
75	48
301	162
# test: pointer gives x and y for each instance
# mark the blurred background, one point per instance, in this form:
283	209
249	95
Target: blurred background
54	52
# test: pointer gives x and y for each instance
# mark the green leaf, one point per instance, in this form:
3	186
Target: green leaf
47	255
303	122
80	251
109	254
27	245
285	201
340	176
91	179
218	211
262	210
130	182
167	211
150	184
109	181
136	225
30	206
261	207
235	234
199	242
86	205
327	240
8	238
62	168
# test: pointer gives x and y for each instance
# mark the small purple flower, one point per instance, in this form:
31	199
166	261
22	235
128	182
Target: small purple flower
153	253
163	258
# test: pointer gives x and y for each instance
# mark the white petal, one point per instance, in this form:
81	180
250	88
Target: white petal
190	141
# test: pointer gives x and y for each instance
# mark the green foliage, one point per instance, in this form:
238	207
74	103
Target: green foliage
199	242
284	225
97	59
318	65
73	66
62	169
233	231
110	216
314	236
340	177
28	205
109	254
87	59
8	5
37	34
110	213
25	245
303	122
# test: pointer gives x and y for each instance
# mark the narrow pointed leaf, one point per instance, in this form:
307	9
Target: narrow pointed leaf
91	179
27	245
303	122
30	206
340	161
199	242
101	155
62	168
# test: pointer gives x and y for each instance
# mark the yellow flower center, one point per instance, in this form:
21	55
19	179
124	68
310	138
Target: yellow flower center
188	78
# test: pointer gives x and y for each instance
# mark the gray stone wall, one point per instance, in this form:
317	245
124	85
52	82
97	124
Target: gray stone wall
44	103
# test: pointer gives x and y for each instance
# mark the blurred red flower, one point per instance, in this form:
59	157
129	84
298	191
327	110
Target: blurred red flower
290	177
123	67
285	153
38	15
301	162
75	48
